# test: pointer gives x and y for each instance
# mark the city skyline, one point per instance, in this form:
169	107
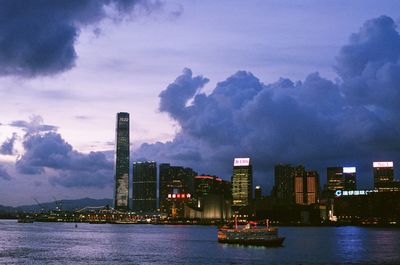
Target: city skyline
175	70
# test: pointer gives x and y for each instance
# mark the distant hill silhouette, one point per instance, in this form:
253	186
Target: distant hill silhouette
69	205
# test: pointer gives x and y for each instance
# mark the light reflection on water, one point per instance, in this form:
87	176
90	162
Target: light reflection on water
62	243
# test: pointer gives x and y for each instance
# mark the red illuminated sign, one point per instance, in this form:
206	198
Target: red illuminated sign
179	196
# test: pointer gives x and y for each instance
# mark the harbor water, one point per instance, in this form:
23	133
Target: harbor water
63	243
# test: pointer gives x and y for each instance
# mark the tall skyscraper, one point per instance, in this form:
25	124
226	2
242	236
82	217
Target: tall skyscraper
349	175
242	182
341	178
121	193
335	180
176	188
258	193
383	176
285	182
306	188
204	185
144	192
293	184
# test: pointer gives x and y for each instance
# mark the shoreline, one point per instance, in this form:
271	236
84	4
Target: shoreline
202	223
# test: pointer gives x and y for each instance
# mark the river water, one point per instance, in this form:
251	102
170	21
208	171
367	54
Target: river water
62	243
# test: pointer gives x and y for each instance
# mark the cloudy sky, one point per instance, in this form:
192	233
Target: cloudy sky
302	82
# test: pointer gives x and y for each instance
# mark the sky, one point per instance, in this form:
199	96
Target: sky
301	82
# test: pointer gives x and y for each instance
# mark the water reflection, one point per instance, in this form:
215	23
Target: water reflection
62	243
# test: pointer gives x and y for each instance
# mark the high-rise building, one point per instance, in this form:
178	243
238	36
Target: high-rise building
176	188
341	178
383	176
242	183
205	184
285	182
144	192
349	175
258	193
335	179
121	193
306	188
293	184
212	198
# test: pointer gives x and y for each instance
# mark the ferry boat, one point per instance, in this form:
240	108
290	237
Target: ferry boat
251	235
25	220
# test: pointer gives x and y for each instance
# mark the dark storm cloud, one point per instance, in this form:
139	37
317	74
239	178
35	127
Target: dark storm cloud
83	179
174	98
38	37
47	152
316	122
370	65
74	169
34	125
7	147
4	174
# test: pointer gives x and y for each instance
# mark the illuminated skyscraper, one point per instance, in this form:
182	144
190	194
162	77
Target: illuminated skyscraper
176	188
258	193
349	175
306	187
204	185
121	193
242	182
335	180
341	178
293	184
284	189
383	176
144	192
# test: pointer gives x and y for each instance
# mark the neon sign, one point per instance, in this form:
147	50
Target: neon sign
383	164
241	161
340	193
349	169
179	196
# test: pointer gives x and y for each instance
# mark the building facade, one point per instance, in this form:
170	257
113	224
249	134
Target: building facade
212	199
121	192
144	187
257	193
295	185
341	178
284	189
306	188
176	189
335	179
242	183
384	176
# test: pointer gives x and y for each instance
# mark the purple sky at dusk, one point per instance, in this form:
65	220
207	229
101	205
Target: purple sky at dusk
301	82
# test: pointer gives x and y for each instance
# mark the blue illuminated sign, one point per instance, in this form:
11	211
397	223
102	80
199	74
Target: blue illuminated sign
340	193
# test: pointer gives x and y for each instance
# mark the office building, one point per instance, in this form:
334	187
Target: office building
144	192
205	184
383	176
257	193
121	192
349	176
176	189
284	182
212	199
242	183
341	178
335	180
306	188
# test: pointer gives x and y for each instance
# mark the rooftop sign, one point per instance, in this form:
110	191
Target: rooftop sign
241	162
341	193
349	169
383	164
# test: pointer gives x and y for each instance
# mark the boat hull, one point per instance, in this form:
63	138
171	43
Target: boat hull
272	242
